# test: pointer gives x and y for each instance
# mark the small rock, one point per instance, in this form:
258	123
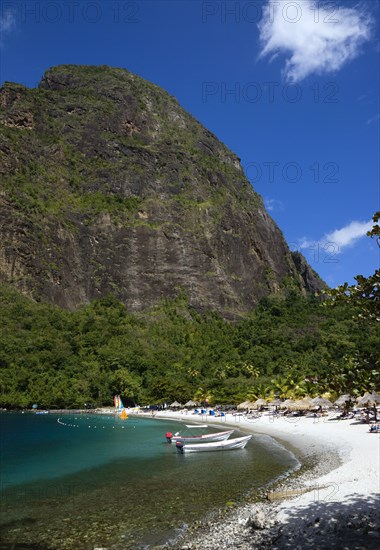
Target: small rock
374	534
244	520
257	521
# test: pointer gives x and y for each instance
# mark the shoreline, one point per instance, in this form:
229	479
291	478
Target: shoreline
331	502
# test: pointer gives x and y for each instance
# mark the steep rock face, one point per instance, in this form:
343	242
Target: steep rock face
109	186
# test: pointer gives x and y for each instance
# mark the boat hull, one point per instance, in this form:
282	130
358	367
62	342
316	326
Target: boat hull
226	445
219	436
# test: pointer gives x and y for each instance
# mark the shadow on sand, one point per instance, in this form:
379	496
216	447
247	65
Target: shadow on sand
322	525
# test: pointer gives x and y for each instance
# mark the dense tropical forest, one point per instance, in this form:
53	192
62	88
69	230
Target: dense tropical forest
289	346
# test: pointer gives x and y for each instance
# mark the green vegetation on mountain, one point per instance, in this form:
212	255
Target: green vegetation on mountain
288	346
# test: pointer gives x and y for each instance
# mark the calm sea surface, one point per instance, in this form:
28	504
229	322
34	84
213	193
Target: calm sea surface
97	481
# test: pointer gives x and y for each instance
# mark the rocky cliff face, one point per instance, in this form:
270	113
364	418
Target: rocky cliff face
109	186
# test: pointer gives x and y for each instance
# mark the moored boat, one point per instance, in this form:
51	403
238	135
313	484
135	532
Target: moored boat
225	445
218	436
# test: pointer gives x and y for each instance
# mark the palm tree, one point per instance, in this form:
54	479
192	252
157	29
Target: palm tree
289	386
250	369
260	391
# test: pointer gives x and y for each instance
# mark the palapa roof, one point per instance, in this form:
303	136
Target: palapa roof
191	403
369	399
342	400
322	402
176	404
275	403
244	405
286	403
301	404
307	399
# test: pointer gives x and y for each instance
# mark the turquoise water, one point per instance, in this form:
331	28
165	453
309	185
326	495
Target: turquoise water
97	481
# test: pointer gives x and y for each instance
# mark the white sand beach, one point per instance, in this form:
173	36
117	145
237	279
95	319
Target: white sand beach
340	505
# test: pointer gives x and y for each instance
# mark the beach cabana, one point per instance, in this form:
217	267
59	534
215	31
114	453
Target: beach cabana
176	405
243	405
343	400
369	400
321	402
301	405
275	403
191	403
307	399
287	404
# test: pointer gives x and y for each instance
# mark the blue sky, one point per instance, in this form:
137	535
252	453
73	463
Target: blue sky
292	87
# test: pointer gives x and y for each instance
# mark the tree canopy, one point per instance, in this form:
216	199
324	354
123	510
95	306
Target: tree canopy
289	346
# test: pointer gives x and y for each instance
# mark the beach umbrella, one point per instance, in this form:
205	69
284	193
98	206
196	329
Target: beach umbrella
191	403
307	399
342	400
243	405
322	402
251	405
287	403
275	403
175	404
369	399
301	405
260	402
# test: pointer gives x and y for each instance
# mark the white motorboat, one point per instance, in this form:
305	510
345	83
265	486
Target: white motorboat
217	436
226	445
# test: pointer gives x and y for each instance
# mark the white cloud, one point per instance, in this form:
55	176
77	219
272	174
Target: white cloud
274	205
7	24
316	39
339	238
373	118
349	234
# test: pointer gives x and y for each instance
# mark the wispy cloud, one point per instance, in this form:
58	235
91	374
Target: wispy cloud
274	205
315	39
7	24
373	118
340	238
